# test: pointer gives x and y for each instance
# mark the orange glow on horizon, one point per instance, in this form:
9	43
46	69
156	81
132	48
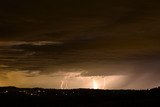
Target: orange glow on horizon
60	80
95	84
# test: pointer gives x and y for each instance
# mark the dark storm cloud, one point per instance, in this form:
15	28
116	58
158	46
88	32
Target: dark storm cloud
103	37
29	19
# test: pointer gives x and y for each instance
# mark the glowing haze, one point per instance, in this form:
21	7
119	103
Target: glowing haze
99	44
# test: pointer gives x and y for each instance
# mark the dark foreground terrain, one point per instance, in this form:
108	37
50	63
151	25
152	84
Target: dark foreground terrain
36	97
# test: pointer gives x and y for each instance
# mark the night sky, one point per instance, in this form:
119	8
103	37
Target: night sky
106	44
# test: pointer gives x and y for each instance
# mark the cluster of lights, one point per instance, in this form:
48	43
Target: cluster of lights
4	92
27	92
41	92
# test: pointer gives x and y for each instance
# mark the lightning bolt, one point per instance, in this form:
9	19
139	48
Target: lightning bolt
104	83
67	77
66	81
62	83
66	85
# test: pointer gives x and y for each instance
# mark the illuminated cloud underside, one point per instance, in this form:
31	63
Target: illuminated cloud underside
60	80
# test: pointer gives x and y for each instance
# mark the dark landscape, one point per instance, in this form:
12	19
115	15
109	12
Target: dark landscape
20	97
